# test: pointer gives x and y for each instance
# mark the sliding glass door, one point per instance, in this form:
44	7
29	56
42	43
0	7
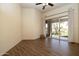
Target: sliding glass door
60	29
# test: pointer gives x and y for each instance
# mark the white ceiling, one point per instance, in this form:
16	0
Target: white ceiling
39	7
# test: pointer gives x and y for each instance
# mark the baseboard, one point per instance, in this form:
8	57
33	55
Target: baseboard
73	43
31	39
2	53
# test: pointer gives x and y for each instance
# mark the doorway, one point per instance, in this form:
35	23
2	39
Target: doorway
58	28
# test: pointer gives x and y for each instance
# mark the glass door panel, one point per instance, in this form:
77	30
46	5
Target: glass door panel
55	30
63	30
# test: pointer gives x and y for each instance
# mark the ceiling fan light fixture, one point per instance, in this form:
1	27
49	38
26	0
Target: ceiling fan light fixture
44	4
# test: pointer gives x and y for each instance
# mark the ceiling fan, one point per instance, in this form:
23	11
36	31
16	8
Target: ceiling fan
45	4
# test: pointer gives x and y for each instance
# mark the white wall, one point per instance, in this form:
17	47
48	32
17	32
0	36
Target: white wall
10	26
32	23
75	20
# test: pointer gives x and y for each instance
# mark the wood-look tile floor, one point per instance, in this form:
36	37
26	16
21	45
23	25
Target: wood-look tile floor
46	47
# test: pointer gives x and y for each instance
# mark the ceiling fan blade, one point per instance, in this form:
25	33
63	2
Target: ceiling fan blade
50	4
43	7
38	3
